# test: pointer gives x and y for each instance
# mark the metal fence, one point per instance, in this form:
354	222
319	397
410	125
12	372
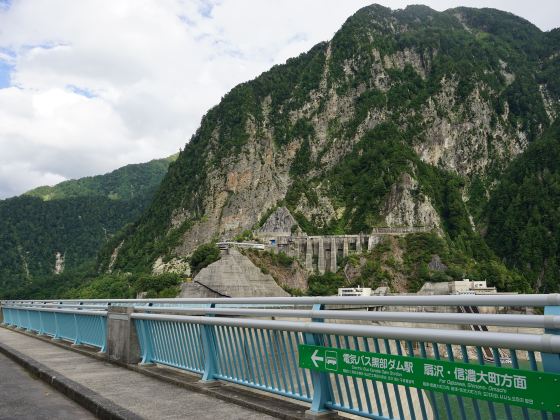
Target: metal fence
78	326
255	342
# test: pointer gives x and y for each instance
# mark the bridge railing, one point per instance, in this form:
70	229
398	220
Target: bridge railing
255	342
81	326
506	300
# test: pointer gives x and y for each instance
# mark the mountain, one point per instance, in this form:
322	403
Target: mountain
405	118
52	229
124	183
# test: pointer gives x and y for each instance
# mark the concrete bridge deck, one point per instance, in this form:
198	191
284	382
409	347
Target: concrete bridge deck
111	391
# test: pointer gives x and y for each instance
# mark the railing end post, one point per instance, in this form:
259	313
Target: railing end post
551	361
121	338
208	345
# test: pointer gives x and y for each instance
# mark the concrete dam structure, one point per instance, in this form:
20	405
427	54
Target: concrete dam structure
322	253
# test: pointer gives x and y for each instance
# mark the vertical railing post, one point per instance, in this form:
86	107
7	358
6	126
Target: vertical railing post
28	326
551	361
56	328
320	380
104	322
4	316
77	340
41	324
146	340
208	345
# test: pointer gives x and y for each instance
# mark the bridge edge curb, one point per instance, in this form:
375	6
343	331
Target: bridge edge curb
85	397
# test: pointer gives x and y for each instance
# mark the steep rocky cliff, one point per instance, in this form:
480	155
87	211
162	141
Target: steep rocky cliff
405	117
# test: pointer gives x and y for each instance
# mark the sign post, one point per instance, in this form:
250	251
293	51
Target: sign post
532	389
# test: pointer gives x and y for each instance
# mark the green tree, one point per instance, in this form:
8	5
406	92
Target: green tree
324	284
203	256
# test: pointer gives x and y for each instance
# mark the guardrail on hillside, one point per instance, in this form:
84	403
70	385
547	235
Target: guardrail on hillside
241	340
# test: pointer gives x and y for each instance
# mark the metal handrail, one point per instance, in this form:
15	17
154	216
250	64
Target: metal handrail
53	305
533	342
506	320
67	311
534	300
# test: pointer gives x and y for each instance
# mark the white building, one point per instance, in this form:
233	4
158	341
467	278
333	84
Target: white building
467	286
354	291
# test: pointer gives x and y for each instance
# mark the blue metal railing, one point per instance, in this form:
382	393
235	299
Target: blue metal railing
258	358
173	344
77	326
224	344
266	359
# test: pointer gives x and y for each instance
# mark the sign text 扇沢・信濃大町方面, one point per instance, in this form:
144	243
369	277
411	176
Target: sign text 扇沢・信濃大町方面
532	389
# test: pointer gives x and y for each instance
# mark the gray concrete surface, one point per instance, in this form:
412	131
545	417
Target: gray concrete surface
122	339
143	396
233	275
24	397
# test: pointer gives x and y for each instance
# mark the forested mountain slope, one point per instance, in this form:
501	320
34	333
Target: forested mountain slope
405	118
52	229
524	213
124	183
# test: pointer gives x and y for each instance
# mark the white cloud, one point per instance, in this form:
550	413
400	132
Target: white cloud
97	84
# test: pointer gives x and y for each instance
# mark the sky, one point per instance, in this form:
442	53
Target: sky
92	85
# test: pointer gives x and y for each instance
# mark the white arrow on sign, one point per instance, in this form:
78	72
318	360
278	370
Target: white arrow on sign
315	358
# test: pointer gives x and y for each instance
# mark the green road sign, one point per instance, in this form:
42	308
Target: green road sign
524	388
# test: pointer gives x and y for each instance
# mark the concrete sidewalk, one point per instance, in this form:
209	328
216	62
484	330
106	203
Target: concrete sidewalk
24	397
116	392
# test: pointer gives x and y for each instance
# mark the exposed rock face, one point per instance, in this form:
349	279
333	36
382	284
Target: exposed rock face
436	264
114	256
406	206
293	276
467	145
234	275
175	265
59	263
280	221
240	191
321	213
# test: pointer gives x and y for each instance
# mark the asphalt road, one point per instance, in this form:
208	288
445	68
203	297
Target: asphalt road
24	397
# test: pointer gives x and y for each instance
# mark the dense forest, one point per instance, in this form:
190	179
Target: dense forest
73	219
524	213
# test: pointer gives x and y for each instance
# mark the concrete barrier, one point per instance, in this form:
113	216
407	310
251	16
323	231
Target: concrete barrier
122	339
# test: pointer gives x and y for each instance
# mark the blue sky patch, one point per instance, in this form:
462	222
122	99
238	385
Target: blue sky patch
5	72
5	4
81	91
205	8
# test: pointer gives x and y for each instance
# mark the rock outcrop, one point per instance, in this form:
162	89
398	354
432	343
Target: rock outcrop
175	265
59	263
280	222
407	206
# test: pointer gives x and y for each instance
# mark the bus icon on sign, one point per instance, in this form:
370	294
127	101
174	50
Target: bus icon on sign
331	360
